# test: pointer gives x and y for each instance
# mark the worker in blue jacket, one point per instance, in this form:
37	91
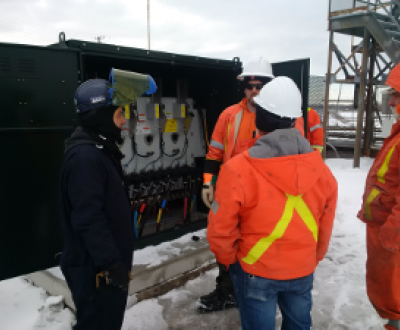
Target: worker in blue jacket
96	212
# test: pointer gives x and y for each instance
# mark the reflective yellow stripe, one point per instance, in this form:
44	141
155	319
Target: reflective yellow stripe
263	244
306	215
238	120
382	171
319	148
312	129
375	192
227	137
293	203
217	145
308	109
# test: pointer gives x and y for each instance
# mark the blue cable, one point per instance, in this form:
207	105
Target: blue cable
135	224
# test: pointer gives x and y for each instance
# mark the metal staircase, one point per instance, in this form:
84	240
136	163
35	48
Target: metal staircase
386	32
380	18
376	22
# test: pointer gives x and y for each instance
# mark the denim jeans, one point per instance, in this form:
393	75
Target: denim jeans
257	298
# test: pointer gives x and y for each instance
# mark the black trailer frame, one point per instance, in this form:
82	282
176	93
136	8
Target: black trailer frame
37	114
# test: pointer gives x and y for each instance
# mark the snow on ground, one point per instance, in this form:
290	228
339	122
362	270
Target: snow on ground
340	300
25	307
155	255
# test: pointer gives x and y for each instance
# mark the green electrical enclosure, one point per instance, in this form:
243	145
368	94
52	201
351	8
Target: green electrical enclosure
37	114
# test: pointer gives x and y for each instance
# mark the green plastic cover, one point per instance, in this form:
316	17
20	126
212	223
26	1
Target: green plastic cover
127	86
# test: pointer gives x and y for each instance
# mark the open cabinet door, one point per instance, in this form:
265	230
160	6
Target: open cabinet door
37	87
299	71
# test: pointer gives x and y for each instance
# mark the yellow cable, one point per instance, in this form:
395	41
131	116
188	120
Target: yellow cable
205	129
159	215
138	222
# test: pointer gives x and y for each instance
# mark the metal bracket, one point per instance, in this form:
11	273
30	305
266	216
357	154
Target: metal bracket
61	40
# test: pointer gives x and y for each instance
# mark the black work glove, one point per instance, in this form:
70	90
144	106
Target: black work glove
118	275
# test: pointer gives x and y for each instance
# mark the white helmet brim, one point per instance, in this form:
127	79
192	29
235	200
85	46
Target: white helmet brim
244	75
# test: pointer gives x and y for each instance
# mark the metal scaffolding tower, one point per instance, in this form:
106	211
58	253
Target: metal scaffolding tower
377	23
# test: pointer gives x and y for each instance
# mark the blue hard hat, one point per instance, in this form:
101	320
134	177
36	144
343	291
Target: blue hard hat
92	94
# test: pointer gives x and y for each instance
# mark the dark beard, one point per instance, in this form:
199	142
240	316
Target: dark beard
109	145
101	120
120	142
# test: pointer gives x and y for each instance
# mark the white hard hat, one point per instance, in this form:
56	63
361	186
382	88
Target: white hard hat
281	97
257	68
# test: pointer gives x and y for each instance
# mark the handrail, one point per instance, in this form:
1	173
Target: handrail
347	11
369	5
390	15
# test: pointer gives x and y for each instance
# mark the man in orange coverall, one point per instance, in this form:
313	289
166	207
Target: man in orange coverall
381	212
234	133
272	217
315	131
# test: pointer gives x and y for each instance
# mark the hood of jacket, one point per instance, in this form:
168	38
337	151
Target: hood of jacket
77	137
286	159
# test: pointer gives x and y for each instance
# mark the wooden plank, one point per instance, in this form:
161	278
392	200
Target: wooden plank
167	286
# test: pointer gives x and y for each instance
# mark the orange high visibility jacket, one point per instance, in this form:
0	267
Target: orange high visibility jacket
381	199
224	138
315	131
274	208
381	211
225	135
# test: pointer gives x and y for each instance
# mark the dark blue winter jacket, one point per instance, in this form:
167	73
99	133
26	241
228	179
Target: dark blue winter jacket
96	213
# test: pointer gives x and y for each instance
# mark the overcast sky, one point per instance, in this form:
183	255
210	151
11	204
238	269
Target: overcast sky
276	30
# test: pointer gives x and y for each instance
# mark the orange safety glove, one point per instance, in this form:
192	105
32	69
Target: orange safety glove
207	193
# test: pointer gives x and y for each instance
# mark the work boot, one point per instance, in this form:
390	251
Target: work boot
393	325
217	301
389	327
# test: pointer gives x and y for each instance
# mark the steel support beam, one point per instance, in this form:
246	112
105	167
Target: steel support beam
382	59
327	84
381	71
343	61
361	102
368	130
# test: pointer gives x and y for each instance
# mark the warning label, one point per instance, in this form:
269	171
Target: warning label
171	126
142	128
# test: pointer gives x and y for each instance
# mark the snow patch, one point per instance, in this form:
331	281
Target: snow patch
155	255
146	315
